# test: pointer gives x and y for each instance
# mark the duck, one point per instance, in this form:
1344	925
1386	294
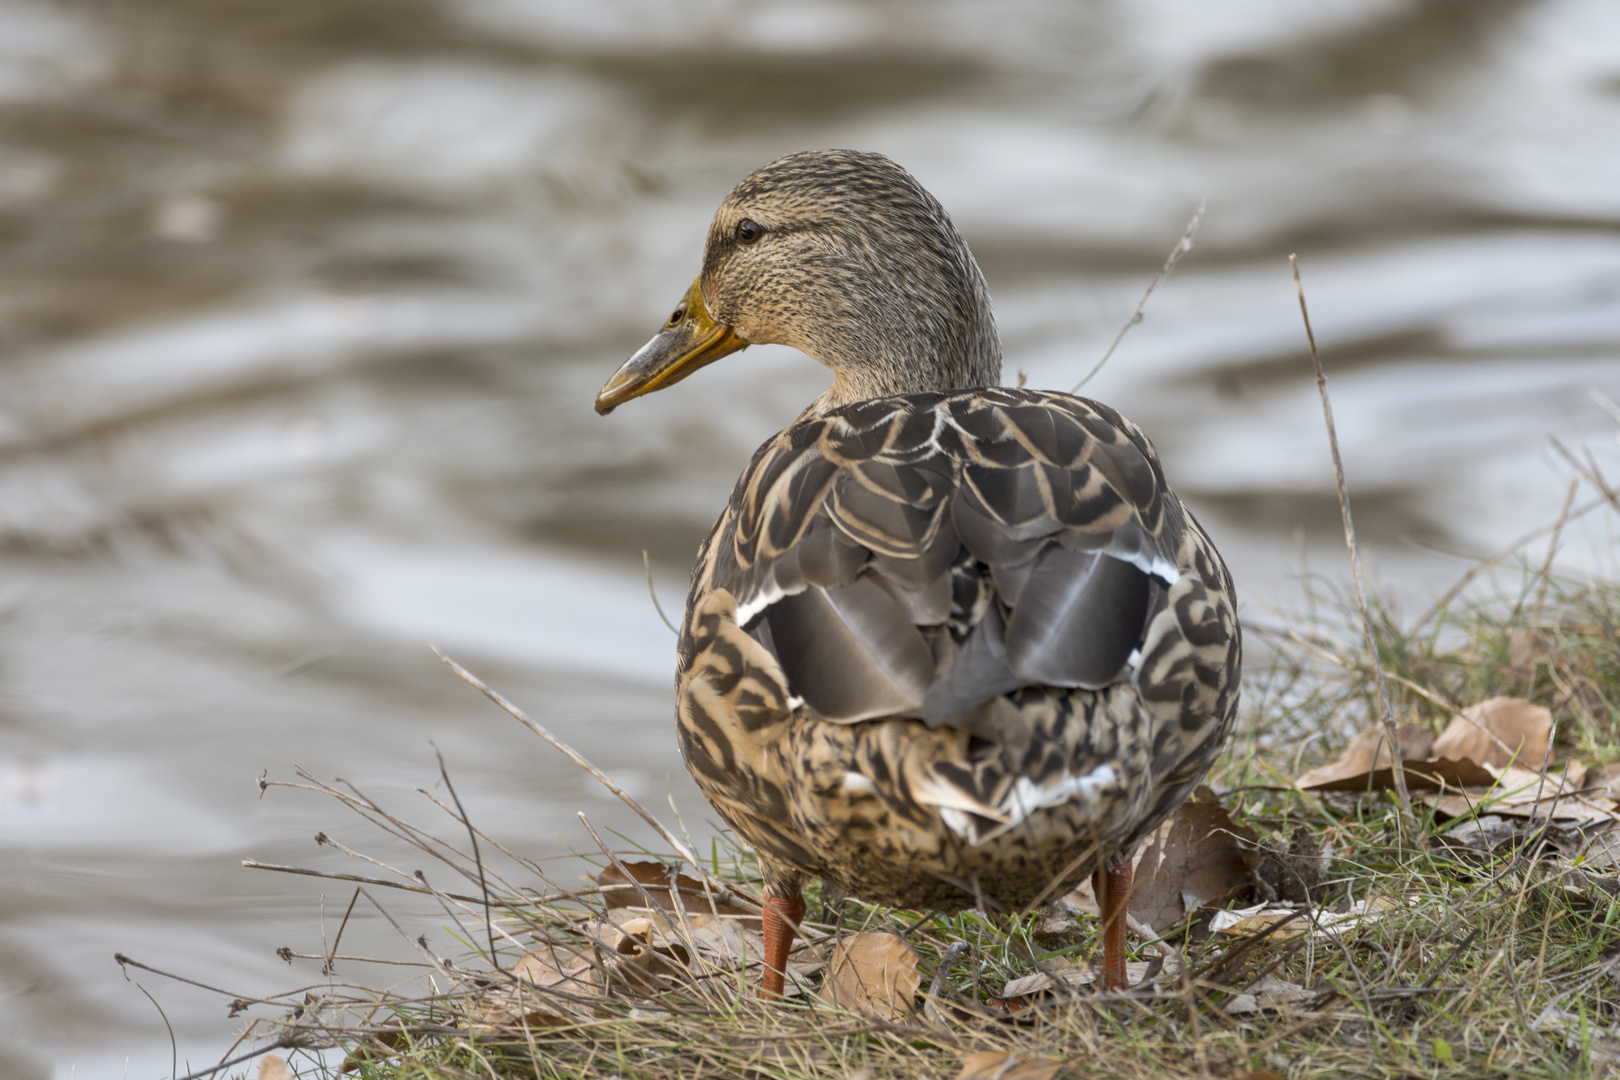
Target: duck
950	644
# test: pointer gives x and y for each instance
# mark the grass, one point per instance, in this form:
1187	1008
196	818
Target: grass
1504	964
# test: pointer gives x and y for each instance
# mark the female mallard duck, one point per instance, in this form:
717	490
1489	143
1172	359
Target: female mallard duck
950	644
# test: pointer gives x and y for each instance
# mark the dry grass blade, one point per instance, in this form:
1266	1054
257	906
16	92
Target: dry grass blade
646	564
579	759
1407	822
1177	253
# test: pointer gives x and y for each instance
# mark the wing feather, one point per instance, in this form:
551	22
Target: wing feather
924	556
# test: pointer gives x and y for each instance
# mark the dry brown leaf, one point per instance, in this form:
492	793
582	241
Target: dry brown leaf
706	941
1267	923
272	1067
873	973
1074	975
1602	780
1499	732
1198	858
545	968
1001	1065
1257	1074
1522	793
1280	923
642	963
1473	750
379	1044
1269	993
1367	753
545	981
653	878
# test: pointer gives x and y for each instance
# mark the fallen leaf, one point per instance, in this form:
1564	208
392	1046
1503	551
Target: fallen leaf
1257	1074
1198	858
1001	1065
706	941
1071	977
547	968
1368	752
1269	993
873	973
1476	751
640	962
1602	851
653	879
1602	780
378	1046
1499	732
1516	792
544	992
1280	923
272	1067
1487	834
1263	920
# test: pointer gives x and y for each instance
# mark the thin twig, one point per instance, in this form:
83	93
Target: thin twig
129	962
1544	578
174	1047
478	858
578	759
1483	564
1407	821
331	953
255	864
279	1044
1177	253
646	562
931	1007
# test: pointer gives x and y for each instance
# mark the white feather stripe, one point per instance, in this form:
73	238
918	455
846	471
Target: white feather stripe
963	814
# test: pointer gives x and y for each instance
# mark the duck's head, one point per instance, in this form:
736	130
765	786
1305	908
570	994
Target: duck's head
844	256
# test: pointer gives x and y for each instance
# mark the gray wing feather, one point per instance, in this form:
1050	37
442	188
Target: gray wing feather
851	651
903	566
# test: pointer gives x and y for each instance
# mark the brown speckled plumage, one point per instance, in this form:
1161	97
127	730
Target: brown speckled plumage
949	642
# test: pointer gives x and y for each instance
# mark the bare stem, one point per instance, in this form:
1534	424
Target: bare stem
646	563
1177	253
577	758
1408	823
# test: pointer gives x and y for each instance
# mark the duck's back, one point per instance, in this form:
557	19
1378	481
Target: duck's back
938	647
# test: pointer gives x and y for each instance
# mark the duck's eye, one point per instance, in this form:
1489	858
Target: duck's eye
749	230
677	315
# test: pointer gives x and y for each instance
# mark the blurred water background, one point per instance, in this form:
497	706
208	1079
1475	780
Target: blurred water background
303	305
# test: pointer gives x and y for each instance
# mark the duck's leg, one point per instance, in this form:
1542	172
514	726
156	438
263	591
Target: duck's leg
782	913
1112	884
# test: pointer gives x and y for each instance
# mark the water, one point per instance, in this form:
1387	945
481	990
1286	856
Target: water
304	306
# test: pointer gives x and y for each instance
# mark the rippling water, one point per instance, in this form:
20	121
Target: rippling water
303	305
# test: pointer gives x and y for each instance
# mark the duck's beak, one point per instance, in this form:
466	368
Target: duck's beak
688	341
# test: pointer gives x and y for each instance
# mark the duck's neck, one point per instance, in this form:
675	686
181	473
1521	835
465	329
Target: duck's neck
904	340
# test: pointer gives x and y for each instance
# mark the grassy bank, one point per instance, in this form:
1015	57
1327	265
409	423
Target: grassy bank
1472	955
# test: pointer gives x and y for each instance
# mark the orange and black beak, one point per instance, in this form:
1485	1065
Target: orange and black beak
688	340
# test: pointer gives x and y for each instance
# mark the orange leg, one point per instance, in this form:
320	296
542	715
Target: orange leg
781	915
1113	889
